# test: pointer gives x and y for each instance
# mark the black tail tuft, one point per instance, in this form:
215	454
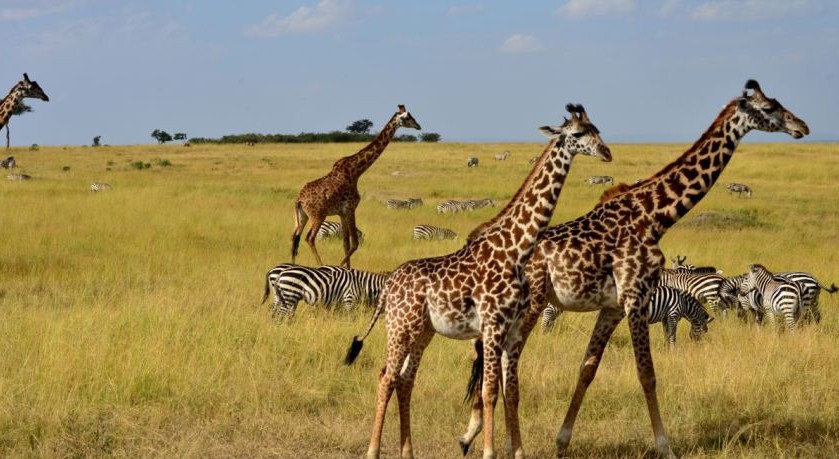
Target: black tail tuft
476	379
354	350
295	243
833	288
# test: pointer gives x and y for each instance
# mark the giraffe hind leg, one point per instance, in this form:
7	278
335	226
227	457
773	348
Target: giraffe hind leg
300	219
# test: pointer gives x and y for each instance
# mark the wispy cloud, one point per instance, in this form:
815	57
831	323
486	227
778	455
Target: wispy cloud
750	9
31	10
669	7
582	8
458	10
304	20
521	43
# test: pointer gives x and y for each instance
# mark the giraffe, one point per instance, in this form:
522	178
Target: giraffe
609	259
336	193
478	290
23	88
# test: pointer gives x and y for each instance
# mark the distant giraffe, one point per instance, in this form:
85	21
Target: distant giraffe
336	193
23	89
609	260
477	291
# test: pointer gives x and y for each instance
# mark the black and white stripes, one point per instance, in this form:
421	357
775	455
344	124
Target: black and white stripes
409	203
430	233
781	298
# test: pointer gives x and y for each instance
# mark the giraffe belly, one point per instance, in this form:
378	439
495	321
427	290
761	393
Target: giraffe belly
456	324
591	297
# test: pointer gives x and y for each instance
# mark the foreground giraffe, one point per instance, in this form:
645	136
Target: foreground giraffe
336	193
478	291
24	88
609	259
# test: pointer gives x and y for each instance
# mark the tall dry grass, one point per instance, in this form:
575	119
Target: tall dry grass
130	322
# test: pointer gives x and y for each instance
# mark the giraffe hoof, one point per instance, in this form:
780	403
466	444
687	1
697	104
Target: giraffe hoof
464	447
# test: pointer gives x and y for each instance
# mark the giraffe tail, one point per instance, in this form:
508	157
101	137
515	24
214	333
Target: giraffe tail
358	342
295	238
476	380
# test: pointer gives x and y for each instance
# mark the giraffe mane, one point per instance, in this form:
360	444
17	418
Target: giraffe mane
614	191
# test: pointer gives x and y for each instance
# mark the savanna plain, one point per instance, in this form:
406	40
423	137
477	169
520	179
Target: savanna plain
131	322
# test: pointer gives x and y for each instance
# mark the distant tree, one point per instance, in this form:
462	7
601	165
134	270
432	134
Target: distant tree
430	137
406	138
19	109
96	141
161	136
180	136
360	127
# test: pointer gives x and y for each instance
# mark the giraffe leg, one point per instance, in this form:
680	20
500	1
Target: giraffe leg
311	236
639	330
489	391
607	321
388	379
476	417
405	387
300	219
350	238
510	362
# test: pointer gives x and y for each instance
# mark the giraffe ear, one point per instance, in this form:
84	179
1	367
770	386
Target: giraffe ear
549	131
402	109
26	77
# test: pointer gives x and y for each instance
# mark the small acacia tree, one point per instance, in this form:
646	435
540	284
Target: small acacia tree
430	137
161	136
180	136
360	126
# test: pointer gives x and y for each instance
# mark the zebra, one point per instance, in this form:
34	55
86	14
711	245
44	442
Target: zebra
533	160
334	230
702	286
409	203
327	285
96	186
471	161
732	297
18	177
430	233
740	189
473	204
600	180
502	156
780	297
450	206
667	305
679	264
8	163
810	291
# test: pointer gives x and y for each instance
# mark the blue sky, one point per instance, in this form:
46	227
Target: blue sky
646	71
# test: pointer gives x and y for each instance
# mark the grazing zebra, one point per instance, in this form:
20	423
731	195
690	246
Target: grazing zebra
600	180
96	186
781	298
334	230
472	161
702	286
450	206
18	177
430	233
409	203
327	285
740	189
533	160
502	156
473	204
667	305
8	163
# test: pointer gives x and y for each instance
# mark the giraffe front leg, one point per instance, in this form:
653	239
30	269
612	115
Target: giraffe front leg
489	392
510	362
607	321
473	391
405	387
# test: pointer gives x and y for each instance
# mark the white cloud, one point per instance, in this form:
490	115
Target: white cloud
458	10
305	19
520	43
30	10
581	8
750	9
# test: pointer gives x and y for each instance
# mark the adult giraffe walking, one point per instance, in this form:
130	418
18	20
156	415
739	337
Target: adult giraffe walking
478	291
336	193
609	259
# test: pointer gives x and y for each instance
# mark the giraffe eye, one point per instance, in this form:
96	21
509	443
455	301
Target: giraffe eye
577	135
769	109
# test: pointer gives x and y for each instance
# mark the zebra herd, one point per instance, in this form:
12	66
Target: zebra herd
454	206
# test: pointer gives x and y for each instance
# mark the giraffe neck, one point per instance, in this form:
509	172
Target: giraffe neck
675	190
356	164
518	226
8	105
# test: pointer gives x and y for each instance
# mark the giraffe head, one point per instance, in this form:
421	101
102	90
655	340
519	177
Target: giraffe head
31	89
767	114
578	135
404	119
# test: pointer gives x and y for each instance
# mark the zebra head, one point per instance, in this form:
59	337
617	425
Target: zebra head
767	114
31	89
404	119
578	135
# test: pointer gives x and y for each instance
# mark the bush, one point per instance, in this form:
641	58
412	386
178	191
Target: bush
139	165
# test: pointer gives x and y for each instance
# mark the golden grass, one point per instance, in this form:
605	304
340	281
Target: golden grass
131	323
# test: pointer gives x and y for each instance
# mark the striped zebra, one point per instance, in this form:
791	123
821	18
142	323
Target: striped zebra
97	186
334	230
431	233
502	156
704	286
326	285
781	298
18	177
679	264
740	189
745	303
600	180
450	206
810	292
8	163
473	204
409	203
471	161
667	305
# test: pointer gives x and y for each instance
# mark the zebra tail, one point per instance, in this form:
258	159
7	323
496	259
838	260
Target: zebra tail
267	288
358	342
476	379
833	288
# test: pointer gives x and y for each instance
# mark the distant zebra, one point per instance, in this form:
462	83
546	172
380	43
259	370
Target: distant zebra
326	285
334	230
740	189
533	160
702	286
473	204
409	203
471	161
430	233
502	156
667	305
8	163
780	297
600	180
450	206
679	264
18	177
96	186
